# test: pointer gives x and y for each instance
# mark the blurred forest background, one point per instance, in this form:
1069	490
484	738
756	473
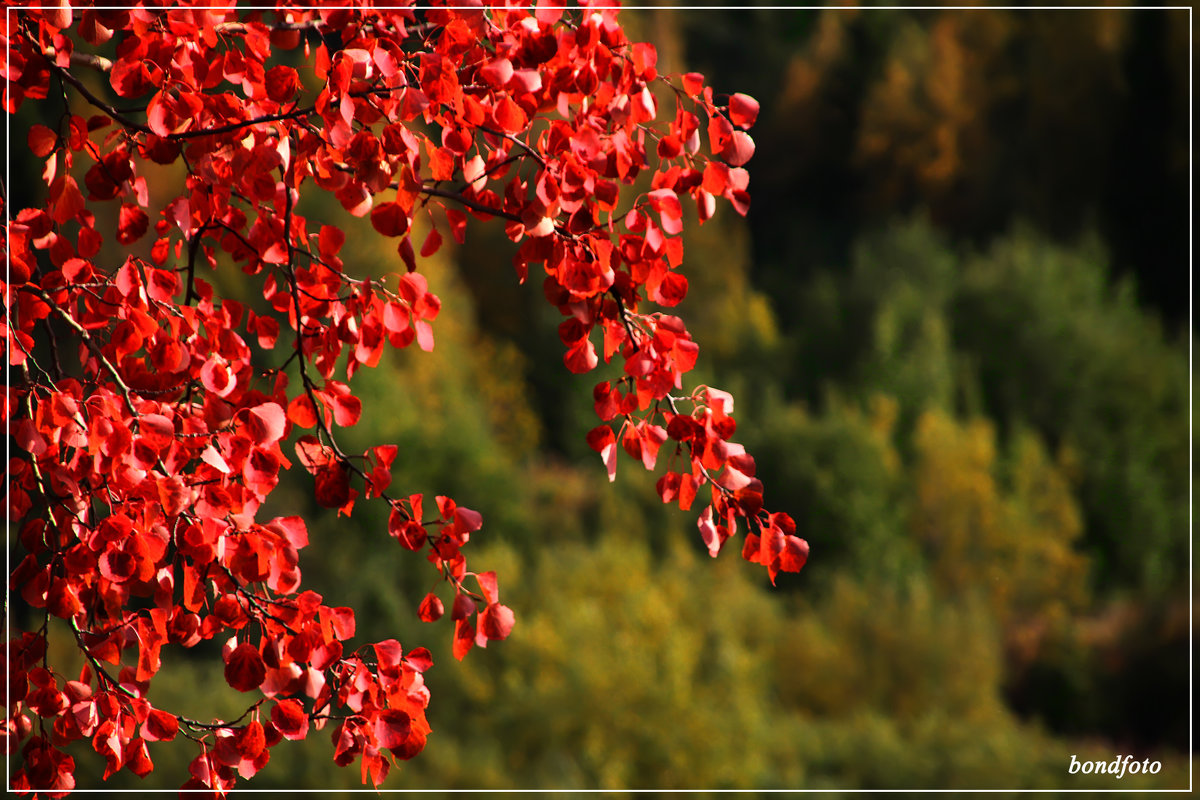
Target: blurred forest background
955	322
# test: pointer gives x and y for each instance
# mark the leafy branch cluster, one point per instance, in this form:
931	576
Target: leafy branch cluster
142	472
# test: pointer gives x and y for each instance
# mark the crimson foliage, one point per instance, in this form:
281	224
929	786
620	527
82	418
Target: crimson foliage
140	473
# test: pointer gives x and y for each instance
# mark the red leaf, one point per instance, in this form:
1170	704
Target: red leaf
392	727
160	726
751	548
420	659
441	163
458	224
463	608
431	608
244	669
333	485
794	555
282	83
251	740
301	412
137	758
581	357
389	219
66	200
464	638
600	436
42	140
672	290
157	431
496	621
432	242
604	441
132	223
342	620
330	241
409	533
289	719
510	117
693	82
312	454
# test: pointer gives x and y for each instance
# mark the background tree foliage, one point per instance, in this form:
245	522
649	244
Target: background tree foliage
955	323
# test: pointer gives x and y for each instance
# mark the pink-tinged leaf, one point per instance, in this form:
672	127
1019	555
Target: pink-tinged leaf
160	726
609	454
743	110
541	227
548	12
291	528
347	410
266	423
396	318
708	532
217	377
526	81
738	149
424	335
666	202
497	72
652	438
487	585
29	438
467	520
720	402
668	486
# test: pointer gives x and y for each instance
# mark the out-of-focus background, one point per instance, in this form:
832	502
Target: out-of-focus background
955	321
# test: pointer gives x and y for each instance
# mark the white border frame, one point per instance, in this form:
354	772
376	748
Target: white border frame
1191	756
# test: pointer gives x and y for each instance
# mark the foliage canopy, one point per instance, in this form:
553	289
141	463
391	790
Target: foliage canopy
143	471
